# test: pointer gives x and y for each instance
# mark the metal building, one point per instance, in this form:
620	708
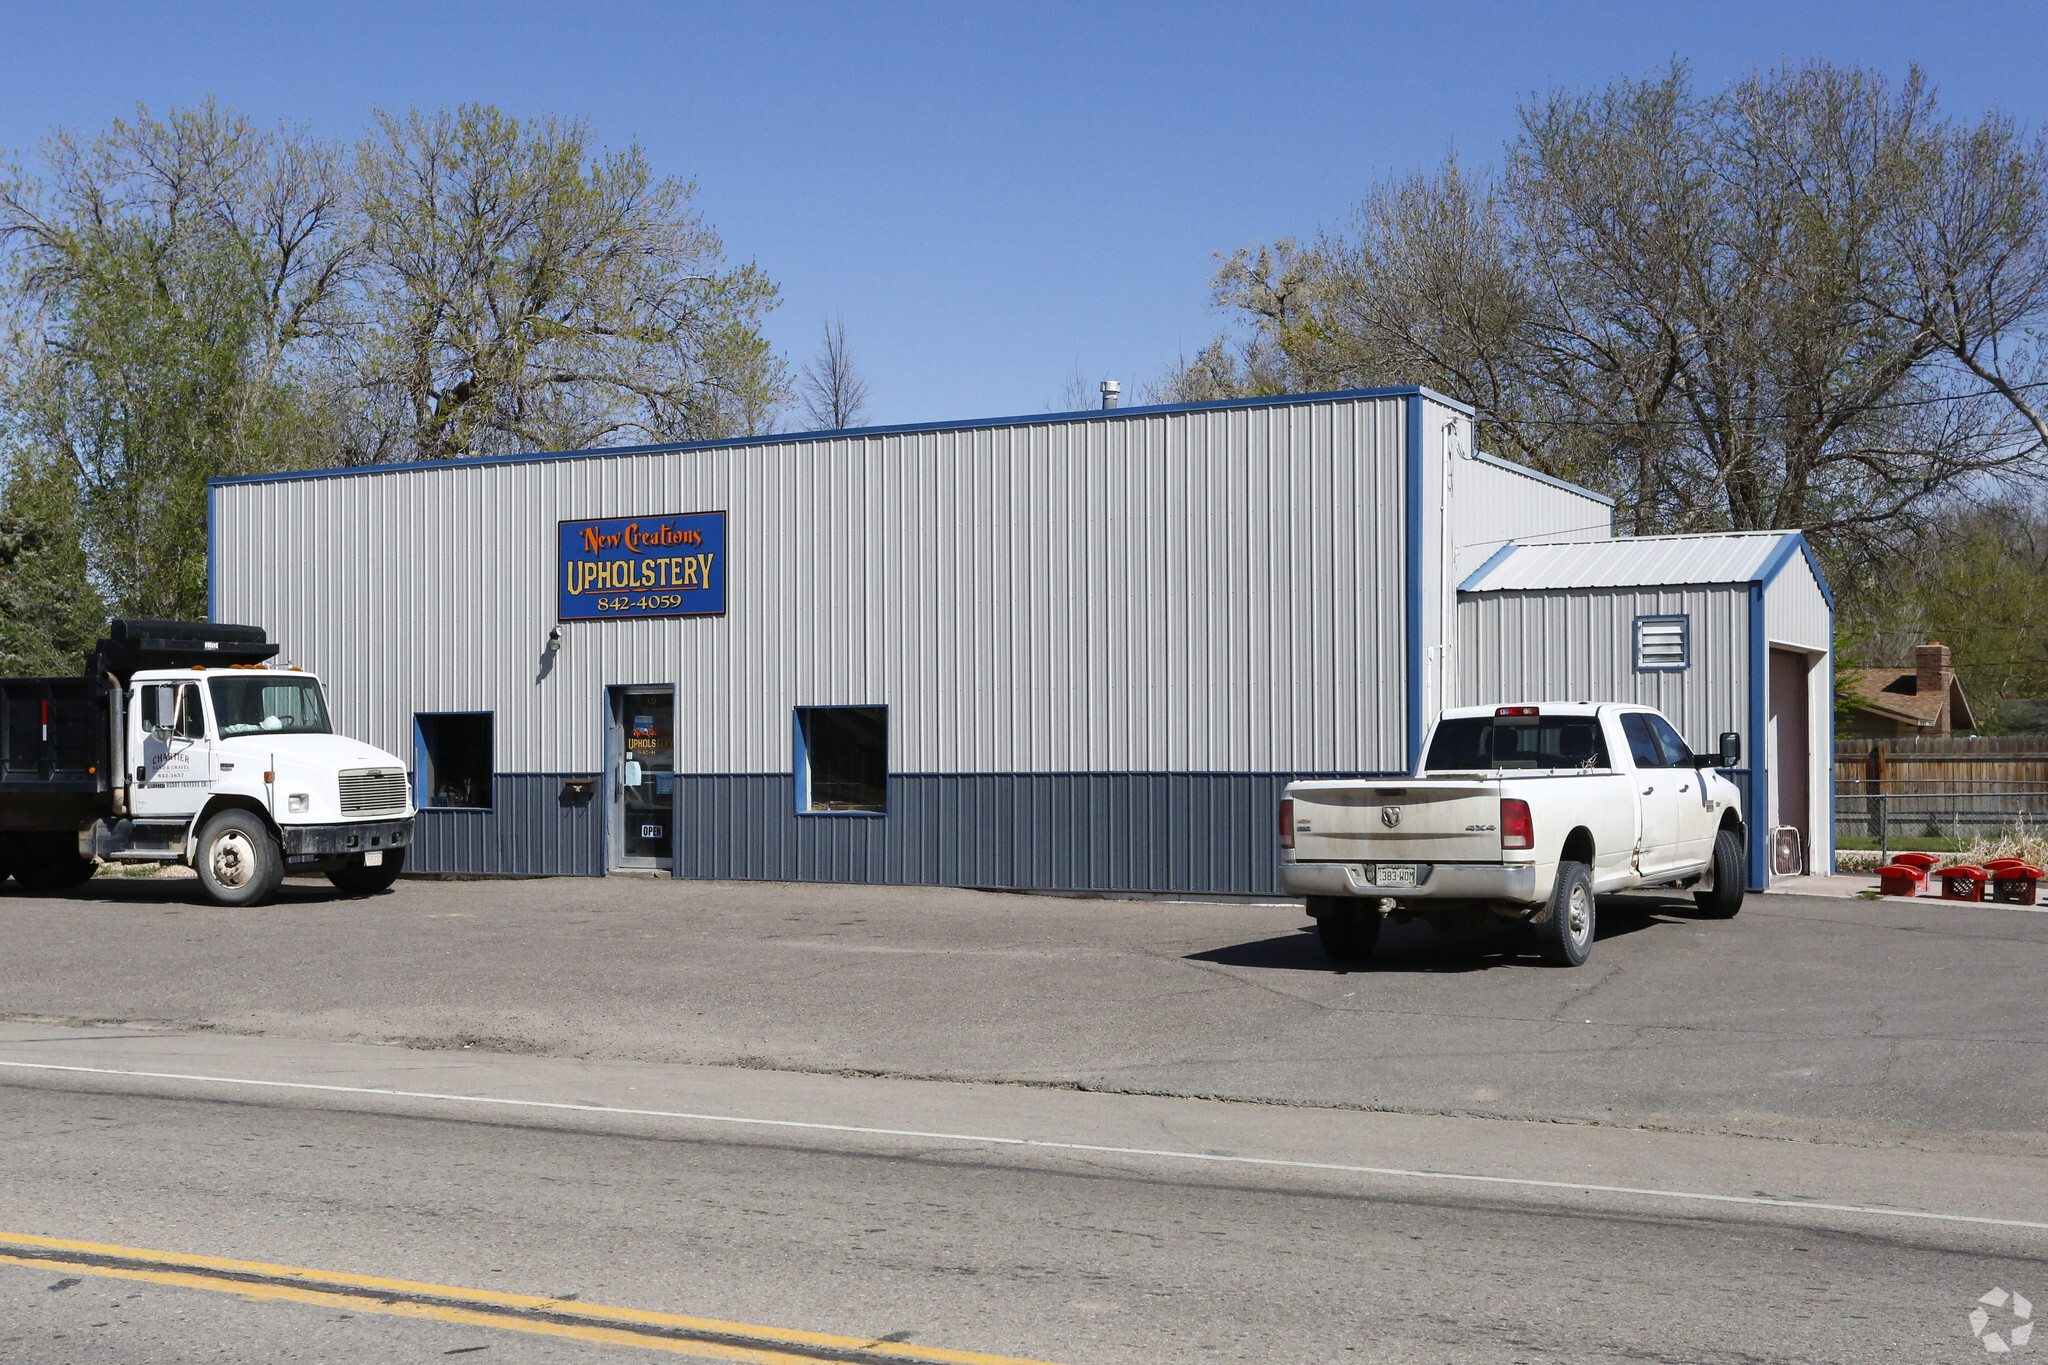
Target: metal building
1072	651
1731	631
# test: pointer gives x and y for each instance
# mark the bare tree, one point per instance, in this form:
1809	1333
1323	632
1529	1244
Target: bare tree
832	393
1725	309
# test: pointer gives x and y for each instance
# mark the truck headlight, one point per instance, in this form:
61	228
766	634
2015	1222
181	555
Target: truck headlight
296	803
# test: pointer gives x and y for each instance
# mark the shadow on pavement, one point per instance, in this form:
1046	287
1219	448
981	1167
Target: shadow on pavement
178	891
1417	947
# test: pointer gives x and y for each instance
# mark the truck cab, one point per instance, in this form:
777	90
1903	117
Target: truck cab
225	759
185	743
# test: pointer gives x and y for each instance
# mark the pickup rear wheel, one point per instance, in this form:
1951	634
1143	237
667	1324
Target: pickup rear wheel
1564	936
358	880
1726	897
238	862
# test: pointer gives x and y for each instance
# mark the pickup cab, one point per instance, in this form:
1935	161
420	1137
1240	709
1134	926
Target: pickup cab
1524	812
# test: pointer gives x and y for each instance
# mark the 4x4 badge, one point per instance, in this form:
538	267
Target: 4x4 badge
1390	816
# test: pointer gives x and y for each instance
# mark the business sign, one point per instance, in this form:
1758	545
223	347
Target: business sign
642	566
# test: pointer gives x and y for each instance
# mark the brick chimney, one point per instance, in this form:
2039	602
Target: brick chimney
1934	676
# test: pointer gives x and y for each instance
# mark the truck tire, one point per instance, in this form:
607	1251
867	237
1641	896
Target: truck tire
1726	897
238	861
51	868
1564	936
358	880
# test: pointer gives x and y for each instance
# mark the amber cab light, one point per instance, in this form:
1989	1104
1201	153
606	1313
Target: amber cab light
1287	823
1517	830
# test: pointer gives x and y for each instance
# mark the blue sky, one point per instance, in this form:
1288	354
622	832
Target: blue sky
994	198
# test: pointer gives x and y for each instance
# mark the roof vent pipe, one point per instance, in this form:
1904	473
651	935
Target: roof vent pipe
1110	391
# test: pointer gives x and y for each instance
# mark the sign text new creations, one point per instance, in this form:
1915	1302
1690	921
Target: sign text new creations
642	566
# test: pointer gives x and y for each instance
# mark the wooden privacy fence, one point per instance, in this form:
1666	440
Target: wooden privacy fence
1955	786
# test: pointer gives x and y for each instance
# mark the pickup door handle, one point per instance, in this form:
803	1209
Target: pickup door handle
1649	791
1685	786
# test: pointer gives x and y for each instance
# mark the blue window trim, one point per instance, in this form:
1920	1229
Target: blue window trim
420	795
801	766
1685	642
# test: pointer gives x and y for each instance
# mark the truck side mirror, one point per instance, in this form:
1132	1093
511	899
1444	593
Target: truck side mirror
1731	749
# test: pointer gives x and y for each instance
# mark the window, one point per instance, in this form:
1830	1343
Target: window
842	758
1663	643
1653	743
174	705
452	753
1484	743
268	705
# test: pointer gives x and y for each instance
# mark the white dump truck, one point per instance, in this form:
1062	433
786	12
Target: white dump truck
185	743
1524	812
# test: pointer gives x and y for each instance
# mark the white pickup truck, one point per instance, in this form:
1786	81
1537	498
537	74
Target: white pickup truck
1524	812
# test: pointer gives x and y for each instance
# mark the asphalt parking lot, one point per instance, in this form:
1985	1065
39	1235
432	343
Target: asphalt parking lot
1916	1023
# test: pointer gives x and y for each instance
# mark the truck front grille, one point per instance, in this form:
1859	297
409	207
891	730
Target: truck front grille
373	791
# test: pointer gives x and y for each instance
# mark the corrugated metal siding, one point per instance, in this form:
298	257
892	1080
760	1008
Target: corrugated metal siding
532	829
1492	505
1192	833
1578	645
1795	613
1722	557
1215	590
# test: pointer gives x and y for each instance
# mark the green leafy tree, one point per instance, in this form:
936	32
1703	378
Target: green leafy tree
523	292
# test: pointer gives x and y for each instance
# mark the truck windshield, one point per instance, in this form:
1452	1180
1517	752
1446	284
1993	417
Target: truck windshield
267	704
1476	743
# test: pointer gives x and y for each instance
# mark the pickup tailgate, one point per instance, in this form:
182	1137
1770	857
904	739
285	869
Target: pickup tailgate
1424	821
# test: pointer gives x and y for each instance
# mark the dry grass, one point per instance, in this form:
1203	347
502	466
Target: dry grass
2022	842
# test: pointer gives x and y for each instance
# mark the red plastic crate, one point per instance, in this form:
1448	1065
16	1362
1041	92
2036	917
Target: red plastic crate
1895	880
1963	883
2015	885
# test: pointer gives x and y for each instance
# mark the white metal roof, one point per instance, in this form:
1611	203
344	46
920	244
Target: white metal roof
1633	561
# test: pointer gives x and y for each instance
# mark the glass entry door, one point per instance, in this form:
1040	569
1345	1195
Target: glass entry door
642	777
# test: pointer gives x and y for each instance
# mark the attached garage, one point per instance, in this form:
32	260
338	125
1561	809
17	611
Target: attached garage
1723	632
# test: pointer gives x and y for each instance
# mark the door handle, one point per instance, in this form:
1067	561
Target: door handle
1685	786
1649	791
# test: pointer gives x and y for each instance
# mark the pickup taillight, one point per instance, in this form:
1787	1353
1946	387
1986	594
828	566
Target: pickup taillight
1517	830
1287	823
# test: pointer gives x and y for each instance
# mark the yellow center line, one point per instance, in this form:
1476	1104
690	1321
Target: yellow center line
597	1323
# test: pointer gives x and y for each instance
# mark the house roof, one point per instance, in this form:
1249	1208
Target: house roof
1894	693
1639	561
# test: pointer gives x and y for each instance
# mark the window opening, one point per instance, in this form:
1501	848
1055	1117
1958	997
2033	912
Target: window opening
253	705
454	760
844	759
1482	743
175	705
1663	643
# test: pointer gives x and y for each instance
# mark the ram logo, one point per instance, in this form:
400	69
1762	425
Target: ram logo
1390	816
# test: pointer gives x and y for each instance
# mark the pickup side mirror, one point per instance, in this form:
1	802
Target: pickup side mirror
1731	749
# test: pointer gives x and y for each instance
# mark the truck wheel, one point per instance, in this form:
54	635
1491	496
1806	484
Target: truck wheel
1349	935
238	862
358	880
1726	897
57	869
1565	935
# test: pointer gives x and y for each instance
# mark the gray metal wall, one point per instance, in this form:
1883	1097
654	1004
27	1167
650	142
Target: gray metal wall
1493	502
1216	590
532	829
1795	612
1578	644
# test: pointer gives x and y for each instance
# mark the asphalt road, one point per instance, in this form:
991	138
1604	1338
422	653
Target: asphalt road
1854	1021
240	1097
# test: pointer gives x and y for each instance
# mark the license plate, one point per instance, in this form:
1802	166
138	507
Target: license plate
1395	876
373	860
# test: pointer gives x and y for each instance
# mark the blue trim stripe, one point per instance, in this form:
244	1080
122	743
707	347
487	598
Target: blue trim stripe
798	437
1759	812
1483	570
1412	599
1498	463
1782	556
